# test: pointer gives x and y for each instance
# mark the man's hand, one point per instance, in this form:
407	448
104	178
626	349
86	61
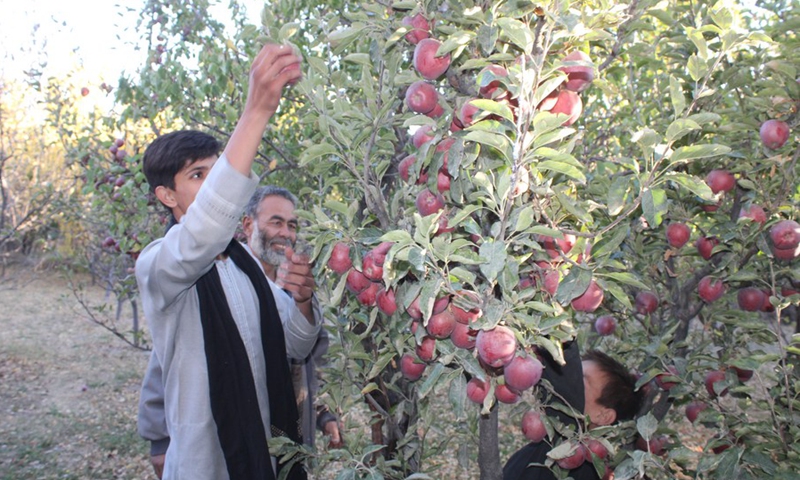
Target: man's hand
158	464
294	275
332	429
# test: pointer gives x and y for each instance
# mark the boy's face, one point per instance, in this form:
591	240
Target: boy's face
594	380
187	182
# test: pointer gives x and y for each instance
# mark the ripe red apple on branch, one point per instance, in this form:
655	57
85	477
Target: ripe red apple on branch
339	260
720	181
410	367
590	299
705	246
420	28
477	390
678	234
710	288
712	378
605	325
579	77
785	240
750	299
421	97
693	410
426	62
533	427
646	303
463	336
774	133
523	372
496	347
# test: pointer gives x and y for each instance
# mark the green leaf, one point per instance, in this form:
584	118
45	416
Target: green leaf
626	278
654	206
562	168
316	151
693	152
516	31
359	59
697	68
525	219
619	191
494	107
431	381
494	140
647	426
573	285
679	128
610	246
693	184
676	94
496	257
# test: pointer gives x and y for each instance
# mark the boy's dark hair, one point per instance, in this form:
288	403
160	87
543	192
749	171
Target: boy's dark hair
169	153
619	392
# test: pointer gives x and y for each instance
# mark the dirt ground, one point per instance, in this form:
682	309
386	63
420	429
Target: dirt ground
68	389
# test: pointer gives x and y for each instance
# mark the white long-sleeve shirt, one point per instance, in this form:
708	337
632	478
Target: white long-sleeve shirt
166	272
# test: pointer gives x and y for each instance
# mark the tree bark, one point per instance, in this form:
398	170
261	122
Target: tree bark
488	449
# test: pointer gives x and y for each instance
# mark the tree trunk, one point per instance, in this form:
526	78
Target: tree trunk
488	449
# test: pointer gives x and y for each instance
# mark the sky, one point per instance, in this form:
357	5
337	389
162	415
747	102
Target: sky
93	37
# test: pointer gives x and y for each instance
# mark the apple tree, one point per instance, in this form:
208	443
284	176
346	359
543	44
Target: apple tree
513	172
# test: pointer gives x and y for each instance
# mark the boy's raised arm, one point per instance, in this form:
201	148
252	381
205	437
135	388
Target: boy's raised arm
274	67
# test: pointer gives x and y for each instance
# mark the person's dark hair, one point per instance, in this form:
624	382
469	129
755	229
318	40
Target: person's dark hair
251	210
619	392
169	153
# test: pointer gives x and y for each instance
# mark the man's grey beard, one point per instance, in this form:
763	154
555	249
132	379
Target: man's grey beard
262	247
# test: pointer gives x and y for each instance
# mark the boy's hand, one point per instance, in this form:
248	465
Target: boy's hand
274	67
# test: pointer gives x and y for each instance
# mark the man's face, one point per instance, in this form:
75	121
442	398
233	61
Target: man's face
594	380
187	183
273	229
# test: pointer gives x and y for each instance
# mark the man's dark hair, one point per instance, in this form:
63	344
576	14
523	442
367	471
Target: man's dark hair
169	153
619	392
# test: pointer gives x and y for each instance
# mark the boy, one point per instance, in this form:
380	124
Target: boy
214	322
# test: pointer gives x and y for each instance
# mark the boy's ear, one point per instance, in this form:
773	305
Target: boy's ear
166	196
606	415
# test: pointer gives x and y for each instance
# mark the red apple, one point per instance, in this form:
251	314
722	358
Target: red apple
750	299
426	62
357	282
420	28
785	235
533	427
404	167
720	181
767	306
339	261
422	136
442	181
552	246
605	325
369	295
470	300
743	374
426	350
655	445
597	448
666	381
678	234
579	77
569	103
488	81
414	311
523	372
754	213
372	266
713	377
705	246
506	395
429	203
496	347
710	288
463	336
476	390
411	368
590	299
774	133
575	460
467	113
84	91
441	324
693	410
421	97
437	111
646	303
386	301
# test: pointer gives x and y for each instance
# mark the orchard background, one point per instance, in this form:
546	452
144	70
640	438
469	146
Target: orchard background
513	173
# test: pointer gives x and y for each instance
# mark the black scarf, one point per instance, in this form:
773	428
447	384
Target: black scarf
234	404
